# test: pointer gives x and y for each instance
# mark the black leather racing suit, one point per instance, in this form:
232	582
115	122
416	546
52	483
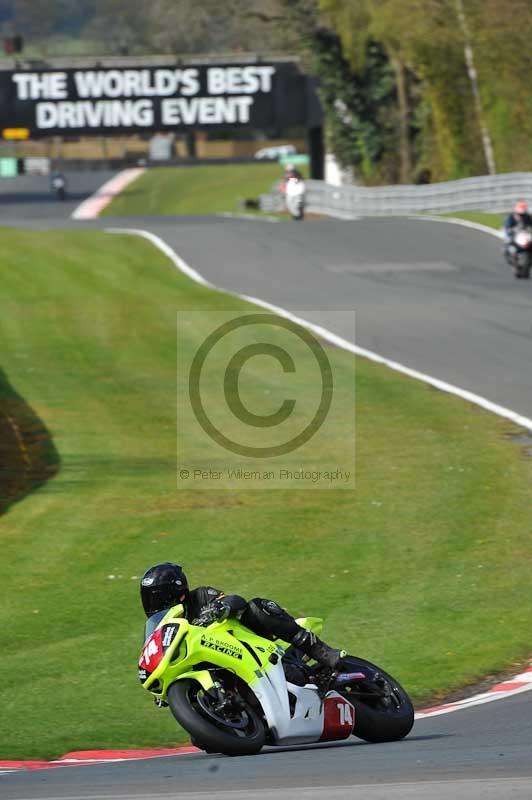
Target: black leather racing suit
263	617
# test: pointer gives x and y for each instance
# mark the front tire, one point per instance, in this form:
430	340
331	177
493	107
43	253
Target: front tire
380	720
185	697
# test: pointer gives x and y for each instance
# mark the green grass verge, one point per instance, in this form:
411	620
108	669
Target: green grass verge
424	568
491	220
194	190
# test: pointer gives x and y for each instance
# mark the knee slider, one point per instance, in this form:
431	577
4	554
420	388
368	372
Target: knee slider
266	606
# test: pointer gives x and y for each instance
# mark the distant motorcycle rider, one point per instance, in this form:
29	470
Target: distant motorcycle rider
165	585
519	218
58	185
290	173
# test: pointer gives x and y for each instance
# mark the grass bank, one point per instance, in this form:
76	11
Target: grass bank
484	218
424	568
194	190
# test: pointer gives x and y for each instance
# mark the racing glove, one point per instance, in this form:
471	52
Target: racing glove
216	611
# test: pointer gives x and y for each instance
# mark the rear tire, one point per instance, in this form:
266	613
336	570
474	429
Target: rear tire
201	746
523	265
375	722
213	738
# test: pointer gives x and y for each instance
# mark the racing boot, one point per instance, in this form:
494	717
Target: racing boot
311	646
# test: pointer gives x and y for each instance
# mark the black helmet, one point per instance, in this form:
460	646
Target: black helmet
163	586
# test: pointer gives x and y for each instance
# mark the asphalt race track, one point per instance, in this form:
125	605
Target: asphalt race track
434	296
483	753
439	299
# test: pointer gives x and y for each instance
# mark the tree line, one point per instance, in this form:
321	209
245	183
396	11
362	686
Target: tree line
419	90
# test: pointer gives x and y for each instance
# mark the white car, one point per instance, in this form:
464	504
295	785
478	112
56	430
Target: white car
275	152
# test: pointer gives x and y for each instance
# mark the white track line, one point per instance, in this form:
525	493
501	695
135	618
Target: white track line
516	685
94	205
331	337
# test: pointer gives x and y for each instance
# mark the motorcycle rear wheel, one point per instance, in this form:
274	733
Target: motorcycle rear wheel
523	265
375	720
213	735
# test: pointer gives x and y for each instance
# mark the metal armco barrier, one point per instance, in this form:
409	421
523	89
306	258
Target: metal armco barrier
496	193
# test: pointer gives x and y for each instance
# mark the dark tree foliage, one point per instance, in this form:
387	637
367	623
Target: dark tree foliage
357	105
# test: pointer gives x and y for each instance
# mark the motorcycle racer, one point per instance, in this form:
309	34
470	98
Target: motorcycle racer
518	218
293	189
291	172
165	585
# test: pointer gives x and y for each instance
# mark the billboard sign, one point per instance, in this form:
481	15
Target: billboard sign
144	99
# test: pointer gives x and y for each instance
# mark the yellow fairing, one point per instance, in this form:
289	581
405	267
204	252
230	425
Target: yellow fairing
227	645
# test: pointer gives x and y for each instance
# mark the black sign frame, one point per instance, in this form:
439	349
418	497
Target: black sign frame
118	100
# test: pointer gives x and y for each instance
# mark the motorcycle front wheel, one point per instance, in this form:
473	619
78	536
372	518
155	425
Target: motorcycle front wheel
234	732
383	709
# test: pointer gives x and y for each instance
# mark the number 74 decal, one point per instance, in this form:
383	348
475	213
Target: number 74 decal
338	718
150	650
346	714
